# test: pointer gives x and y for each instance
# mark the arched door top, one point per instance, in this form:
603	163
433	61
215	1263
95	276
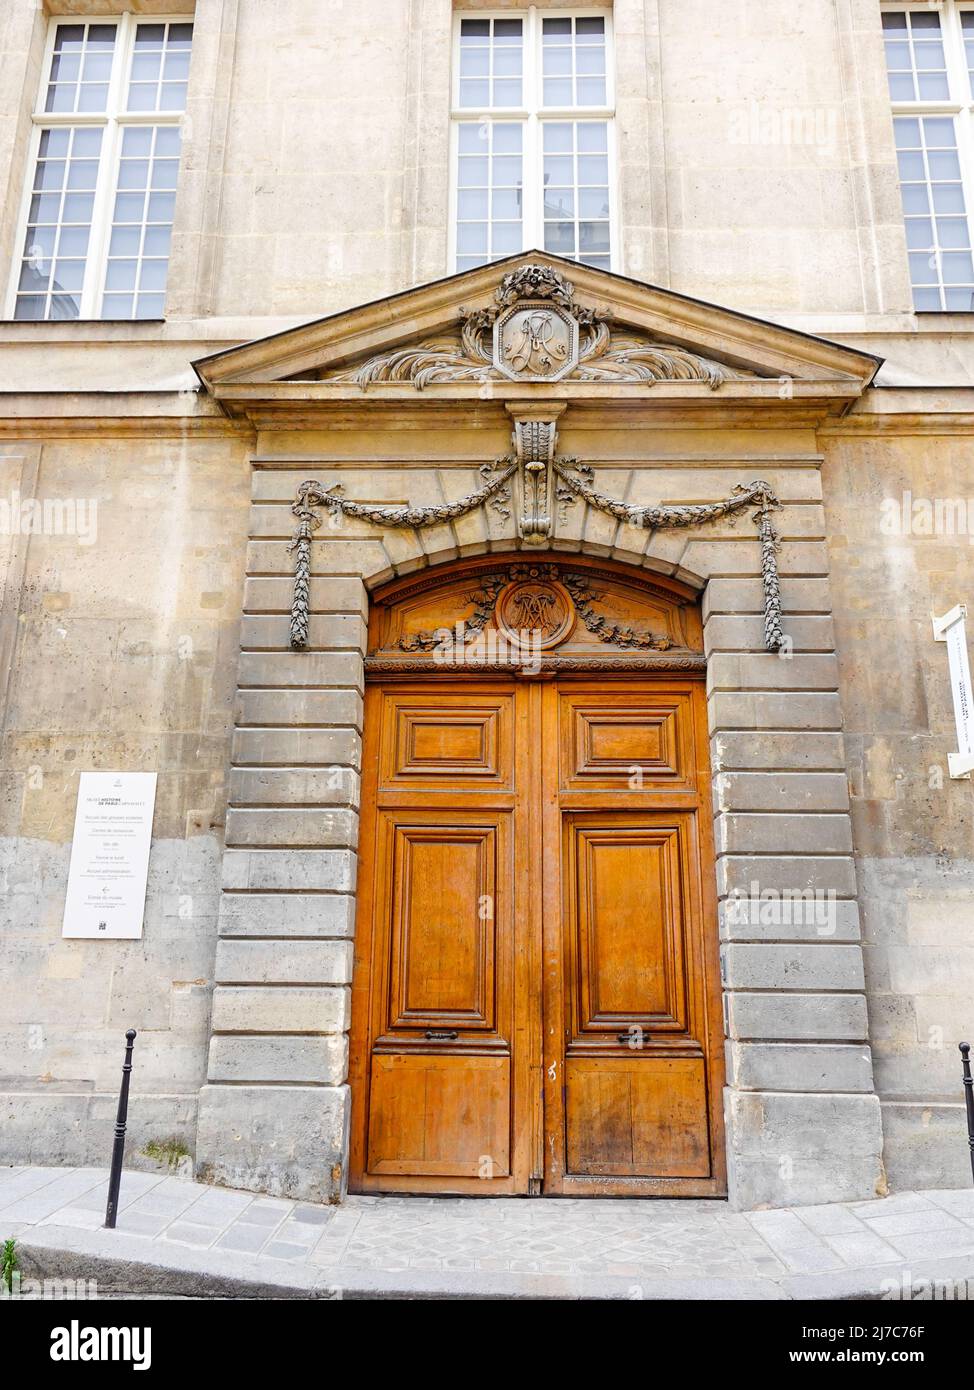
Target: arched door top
534	613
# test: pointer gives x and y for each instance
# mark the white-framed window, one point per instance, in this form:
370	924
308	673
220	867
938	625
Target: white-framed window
533	136
98	207
930	70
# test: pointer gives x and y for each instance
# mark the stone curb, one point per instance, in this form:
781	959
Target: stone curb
132	1265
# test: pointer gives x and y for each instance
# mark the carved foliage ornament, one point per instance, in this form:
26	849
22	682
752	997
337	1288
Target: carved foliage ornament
537	605
534	331
575	482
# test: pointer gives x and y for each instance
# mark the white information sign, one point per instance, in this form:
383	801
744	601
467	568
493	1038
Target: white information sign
952	629
110	855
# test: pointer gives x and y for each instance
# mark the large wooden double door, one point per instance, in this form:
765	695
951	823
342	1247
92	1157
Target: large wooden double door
535	1007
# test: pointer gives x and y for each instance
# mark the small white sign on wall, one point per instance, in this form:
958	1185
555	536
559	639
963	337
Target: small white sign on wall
110	855
952	629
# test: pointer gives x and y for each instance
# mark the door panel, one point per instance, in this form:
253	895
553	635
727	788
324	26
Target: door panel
644	1120
624	918
444	741
447	1116
628	740
443	926
536	996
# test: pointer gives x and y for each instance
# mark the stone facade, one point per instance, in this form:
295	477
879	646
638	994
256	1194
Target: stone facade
159	639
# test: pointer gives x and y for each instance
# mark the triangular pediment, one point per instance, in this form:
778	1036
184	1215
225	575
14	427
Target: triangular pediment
538	325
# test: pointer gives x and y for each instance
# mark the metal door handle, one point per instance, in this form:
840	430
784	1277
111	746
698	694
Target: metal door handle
442	1034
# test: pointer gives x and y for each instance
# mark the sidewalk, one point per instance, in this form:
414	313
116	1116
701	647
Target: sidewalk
179	1237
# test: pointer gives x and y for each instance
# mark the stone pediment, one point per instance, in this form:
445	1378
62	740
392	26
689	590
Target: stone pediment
535	331
538	325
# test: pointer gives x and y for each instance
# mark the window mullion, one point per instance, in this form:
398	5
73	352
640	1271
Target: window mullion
532	131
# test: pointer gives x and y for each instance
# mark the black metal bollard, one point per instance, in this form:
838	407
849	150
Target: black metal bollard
965	1052
121	1119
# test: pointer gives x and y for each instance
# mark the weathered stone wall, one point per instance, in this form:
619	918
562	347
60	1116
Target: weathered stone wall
913	825
118	649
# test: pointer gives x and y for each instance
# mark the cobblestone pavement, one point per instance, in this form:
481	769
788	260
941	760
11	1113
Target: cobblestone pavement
623	1237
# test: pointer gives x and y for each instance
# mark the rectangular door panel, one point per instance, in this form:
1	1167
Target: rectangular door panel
647	1120
626	740
443	741
625	924
442	928
447	1116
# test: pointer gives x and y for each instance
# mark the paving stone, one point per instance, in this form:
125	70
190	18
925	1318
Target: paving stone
244	1237
960	1203
168	1203
818	1259
188	1234
861	1248
261	1216
215	1206
84	1219
297	1233
914	1222
934	1243
829	1220
143	1223
899	1201
314	1216
281	1250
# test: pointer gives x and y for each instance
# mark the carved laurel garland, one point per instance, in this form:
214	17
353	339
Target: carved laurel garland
577	482
602	355
312	496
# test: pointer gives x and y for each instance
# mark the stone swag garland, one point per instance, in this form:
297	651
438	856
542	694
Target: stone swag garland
575	481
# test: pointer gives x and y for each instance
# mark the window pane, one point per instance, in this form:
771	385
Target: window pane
576	189
138	250
573	62
81	64
160	63
961	301
489	191
150	306
941	266
915	63
491	63
116	306
59	218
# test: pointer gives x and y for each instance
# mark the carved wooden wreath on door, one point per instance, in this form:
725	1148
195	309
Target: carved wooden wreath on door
575	342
